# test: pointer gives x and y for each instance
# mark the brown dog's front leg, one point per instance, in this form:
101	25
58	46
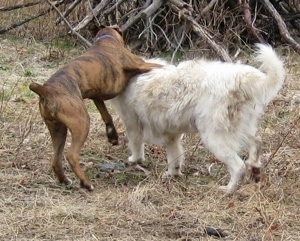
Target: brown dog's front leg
111	132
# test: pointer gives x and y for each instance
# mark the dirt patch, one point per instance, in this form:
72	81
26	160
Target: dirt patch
127	205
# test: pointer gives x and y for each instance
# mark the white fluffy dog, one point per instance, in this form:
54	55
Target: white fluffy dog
221	101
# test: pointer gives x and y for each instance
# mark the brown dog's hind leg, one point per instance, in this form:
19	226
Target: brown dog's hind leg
72	156
79	130
58	132
77	120
111	132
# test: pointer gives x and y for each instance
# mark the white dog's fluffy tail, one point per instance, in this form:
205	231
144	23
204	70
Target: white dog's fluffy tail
273	67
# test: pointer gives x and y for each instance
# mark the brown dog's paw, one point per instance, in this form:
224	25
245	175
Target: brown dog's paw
113	138
67	181
112	135
113	142
64	180
89	187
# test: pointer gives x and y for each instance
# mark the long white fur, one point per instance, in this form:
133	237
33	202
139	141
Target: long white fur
221	101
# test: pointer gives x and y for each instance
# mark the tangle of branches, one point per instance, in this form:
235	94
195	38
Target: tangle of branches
175	26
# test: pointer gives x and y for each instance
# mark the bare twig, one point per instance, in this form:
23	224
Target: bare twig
208	38
208	7
249	24
179	43
68	11
85	42
185	13
151	9
89	17
112	8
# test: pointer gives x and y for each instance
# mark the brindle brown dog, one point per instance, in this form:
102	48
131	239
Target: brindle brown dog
101	73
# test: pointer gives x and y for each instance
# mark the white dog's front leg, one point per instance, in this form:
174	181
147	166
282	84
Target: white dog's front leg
136	146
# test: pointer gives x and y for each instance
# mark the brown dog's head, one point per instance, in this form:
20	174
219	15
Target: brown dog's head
110	31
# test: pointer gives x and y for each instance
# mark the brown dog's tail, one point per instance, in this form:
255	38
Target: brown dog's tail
38	89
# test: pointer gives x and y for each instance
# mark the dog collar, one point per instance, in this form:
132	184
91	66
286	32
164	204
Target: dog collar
104	36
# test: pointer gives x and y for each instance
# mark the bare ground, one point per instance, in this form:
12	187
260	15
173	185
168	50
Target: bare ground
127	205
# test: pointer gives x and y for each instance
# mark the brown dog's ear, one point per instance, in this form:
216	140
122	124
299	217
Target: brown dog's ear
117	28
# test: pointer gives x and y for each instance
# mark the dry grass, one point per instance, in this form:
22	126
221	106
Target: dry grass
126	205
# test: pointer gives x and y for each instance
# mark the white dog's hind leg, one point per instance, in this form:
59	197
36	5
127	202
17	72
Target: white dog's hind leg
236	168
224	153
253	162
254	153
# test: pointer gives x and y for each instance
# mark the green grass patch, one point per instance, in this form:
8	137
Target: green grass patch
128	178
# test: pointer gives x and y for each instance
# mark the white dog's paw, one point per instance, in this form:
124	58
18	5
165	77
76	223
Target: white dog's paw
227	190
175	172
171	174
166	176
133	161
223	188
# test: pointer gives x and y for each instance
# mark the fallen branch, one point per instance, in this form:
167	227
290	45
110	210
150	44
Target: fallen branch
282	26
85	42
